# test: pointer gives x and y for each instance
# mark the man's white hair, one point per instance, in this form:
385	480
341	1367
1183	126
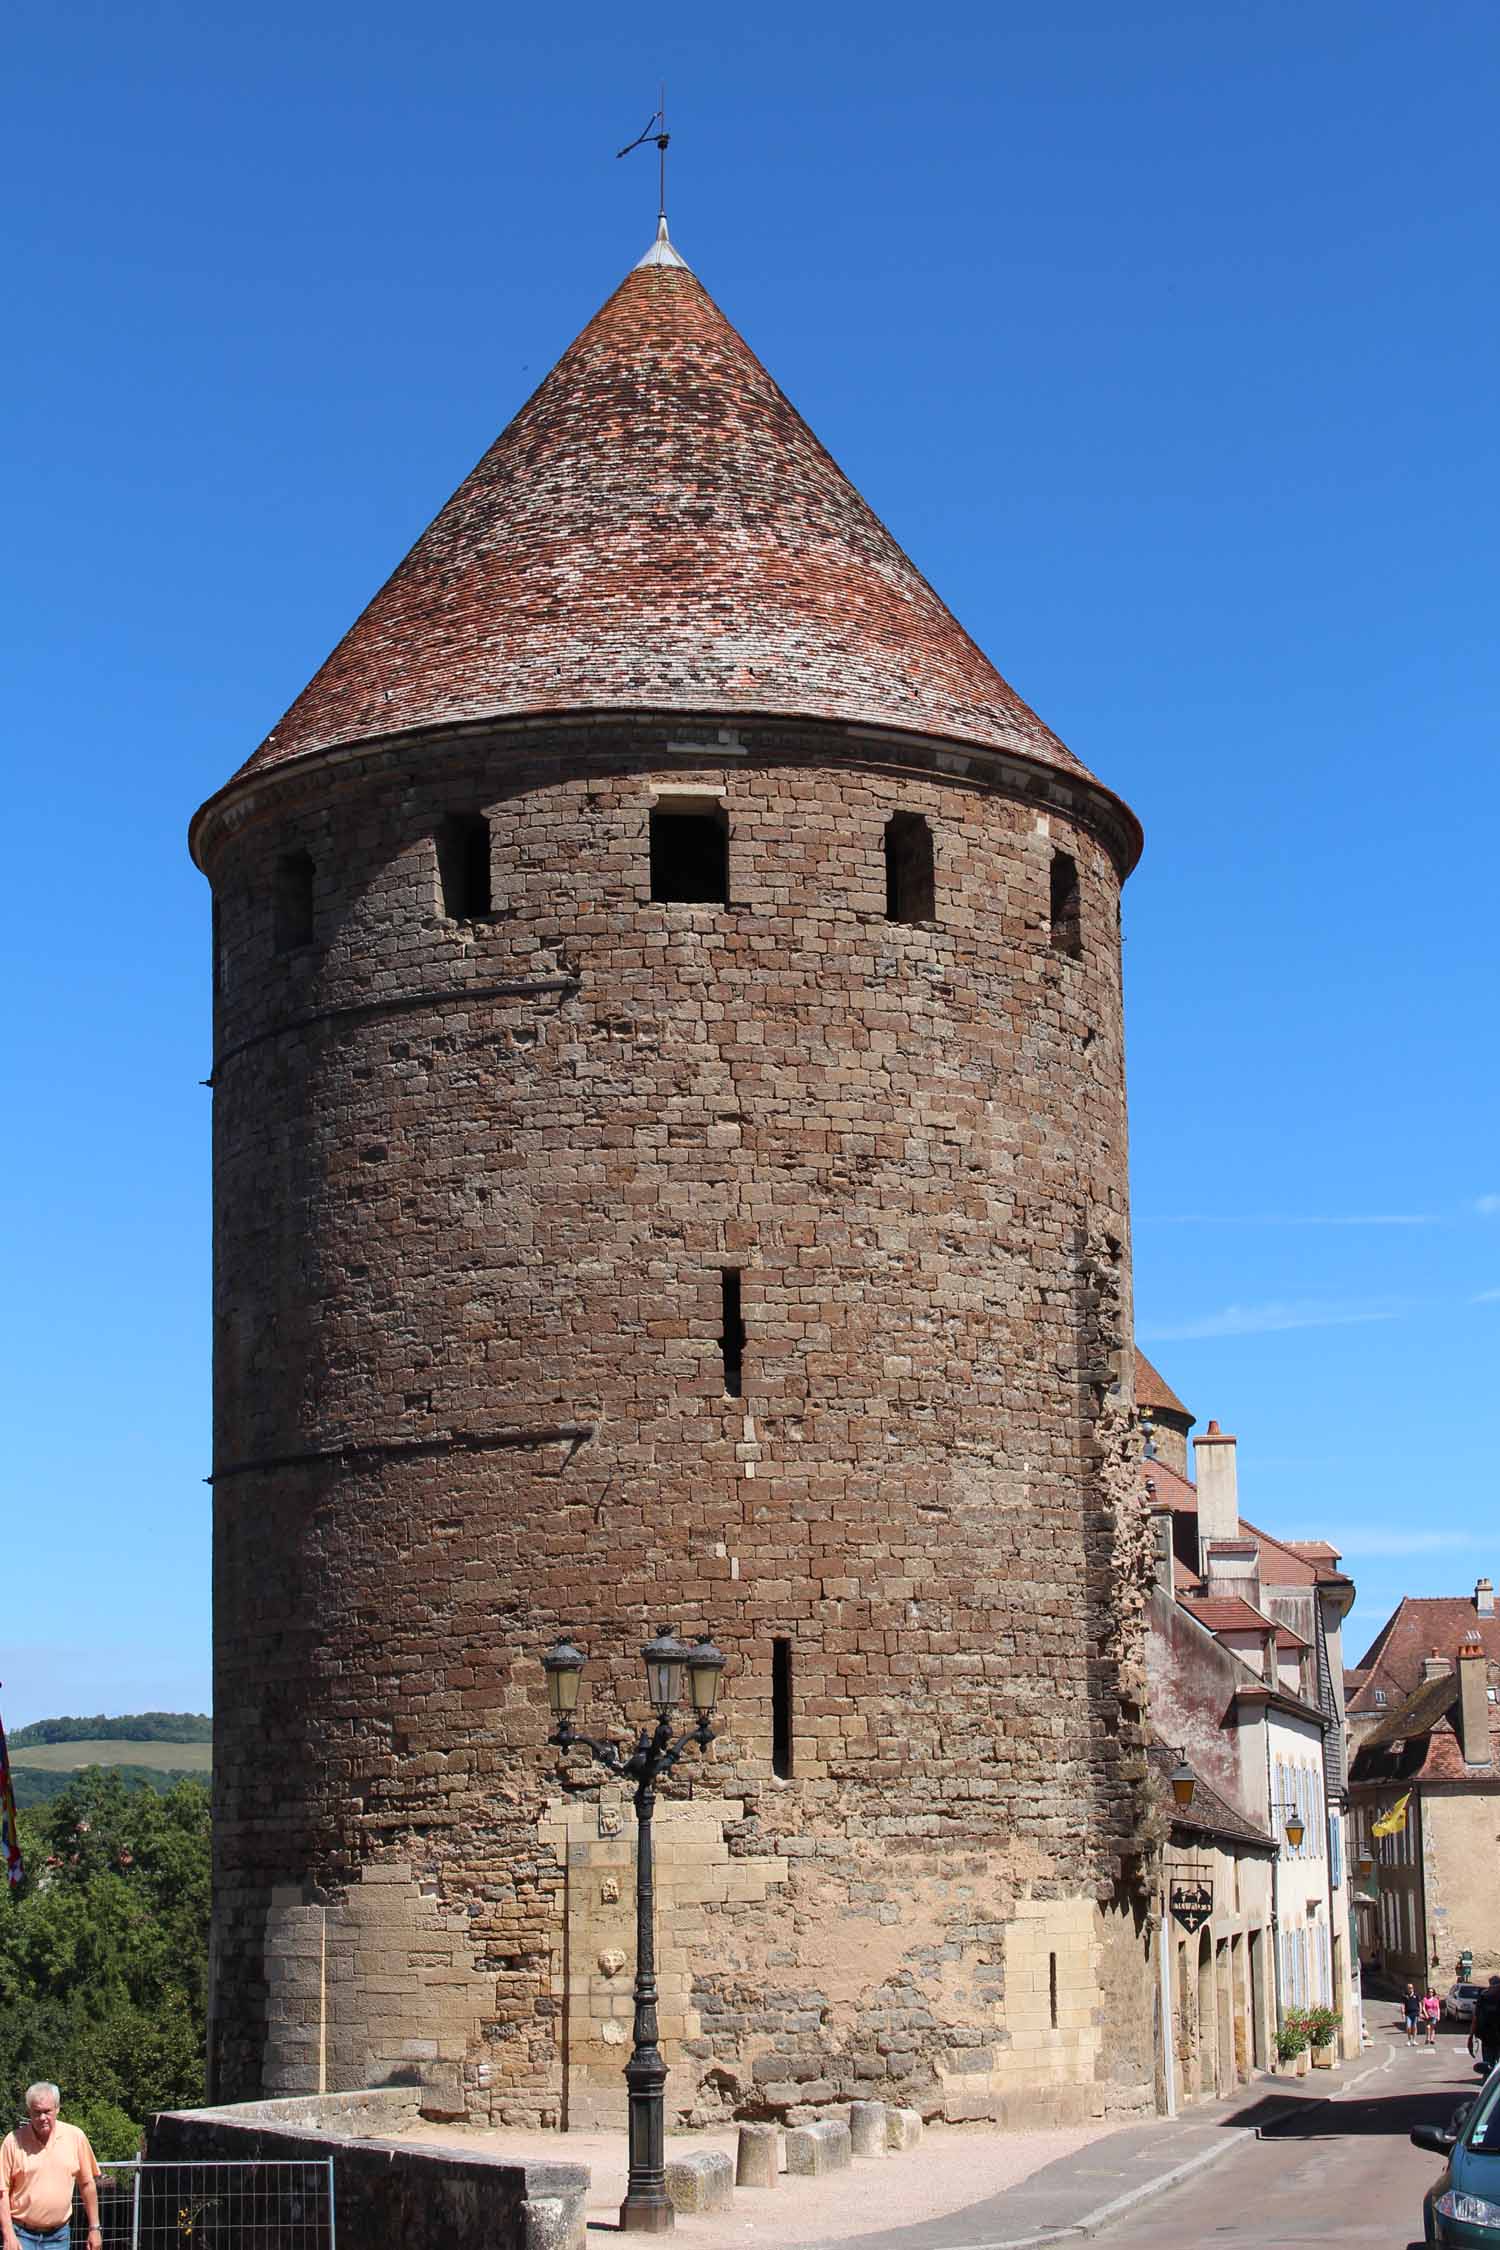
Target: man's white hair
43	2086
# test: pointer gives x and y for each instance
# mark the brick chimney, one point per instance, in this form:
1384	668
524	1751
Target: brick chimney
1435	1666
1218	1489
1474	1703
1484	1598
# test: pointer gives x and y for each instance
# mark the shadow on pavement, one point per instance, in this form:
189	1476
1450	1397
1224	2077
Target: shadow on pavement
1392	2114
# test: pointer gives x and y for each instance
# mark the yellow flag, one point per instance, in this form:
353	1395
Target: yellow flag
1392	1823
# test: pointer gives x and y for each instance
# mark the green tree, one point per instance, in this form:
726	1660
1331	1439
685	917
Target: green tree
104	1956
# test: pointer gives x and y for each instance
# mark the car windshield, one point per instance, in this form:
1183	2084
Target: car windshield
1466	1991
1483	2128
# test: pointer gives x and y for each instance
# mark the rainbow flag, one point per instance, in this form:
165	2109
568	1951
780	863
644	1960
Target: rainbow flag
10	1835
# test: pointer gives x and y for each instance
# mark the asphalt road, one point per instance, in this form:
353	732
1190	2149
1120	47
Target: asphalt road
1339	2174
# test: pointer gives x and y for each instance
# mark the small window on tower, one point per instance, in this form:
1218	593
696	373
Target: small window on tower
781	1709
1067	913
690	855
463	850
732	1334
910	889
294	901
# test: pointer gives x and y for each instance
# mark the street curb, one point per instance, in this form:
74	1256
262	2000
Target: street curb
1104	2214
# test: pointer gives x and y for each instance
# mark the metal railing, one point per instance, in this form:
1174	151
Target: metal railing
259	2205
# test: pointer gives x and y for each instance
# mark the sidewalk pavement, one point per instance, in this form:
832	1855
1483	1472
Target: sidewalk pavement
965	2187
1079	2194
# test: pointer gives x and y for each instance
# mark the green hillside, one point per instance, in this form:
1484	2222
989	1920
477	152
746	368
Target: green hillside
135	1726
113	1750
147	1749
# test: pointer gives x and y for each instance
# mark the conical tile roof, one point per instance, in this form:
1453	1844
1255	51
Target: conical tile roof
658	529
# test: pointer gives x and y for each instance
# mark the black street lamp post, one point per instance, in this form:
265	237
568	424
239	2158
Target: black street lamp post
647	2208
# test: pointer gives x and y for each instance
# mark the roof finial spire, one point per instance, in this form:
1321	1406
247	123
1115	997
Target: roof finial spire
661	252
661	136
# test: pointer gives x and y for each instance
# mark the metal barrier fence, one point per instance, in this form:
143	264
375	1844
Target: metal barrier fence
266	2205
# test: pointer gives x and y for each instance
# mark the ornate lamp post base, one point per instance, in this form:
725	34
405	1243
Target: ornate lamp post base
647	2208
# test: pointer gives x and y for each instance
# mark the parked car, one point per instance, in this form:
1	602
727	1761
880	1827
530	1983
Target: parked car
1459	1999
1463	2206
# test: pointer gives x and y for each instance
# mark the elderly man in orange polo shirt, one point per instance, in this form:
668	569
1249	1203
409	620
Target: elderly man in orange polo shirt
40	2164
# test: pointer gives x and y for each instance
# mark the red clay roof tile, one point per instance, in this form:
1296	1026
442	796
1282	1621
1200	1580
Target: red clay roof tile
658	529
1151	1391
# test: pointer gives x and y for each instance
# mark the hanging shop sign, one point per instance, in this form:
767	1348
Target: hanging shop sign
1192	1904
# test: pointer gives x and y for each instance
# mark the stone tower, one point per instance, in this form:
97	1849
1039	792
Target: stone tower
670	1165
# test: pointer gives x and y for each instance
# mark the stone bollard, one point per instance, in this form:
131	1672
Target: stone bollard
703	2181
758	2162
815	2149
553	2222
903	2128
867	2128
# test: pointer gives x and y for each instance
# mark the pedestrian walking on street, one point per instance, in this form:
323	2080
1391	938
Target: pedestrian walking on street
1432	2008
1486	2025
1411	2008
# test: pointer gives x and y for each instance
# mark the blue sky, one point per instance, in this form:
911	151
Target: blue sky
1163	337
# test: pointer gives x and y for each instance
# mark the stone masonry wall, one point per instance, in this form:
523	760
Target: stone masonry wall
475	1187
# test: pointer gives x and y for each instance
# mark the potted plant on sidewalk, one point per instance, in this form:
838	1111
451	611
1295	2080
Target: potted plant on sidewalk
1292	2041
1322	2024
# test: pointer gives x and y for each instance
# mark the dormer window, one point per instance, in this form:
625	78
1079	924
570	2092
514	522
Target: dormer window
1380	1696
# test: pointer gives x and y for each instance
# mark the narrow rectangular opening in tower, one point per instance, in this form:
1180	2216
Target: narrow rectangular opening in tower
732	1334
910	882
1066	911
690	856
781	1709
1052	1988
463	849
294	901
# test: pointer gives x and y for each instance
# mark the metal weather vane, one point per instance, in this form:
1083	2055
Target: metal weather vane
655	130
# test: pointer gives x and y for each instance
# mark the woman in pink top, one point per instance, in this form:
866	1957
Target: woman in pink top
1432	2008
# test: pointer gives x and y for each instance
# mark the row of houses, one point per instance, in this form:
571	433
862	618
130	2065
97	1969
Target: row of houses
1327	1827
1247	1698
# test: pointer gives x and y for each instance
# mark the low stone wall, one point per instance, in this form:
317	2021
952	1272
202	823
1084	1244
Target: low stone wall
389	2195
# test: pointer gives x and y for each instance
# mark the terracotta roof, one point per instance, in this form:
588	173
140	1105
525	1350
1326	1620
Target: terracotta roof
1172	1489
1280	1565
1287	1638
659	530
1315	1550
1417	1714
1226	1613
1417	1740
1151	1391
1419	1624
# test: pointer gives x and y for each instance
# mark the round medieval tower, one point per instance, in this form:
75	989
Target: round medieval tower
670	1166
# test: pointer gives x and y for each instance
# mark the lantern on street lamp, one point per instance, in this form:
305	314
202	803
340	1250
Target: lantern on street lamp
563	1665
665	1660
1184	1781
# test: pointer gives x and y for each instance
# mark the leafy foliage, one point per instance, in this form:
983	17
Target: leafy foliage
142	1726
104	1956
34	1786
